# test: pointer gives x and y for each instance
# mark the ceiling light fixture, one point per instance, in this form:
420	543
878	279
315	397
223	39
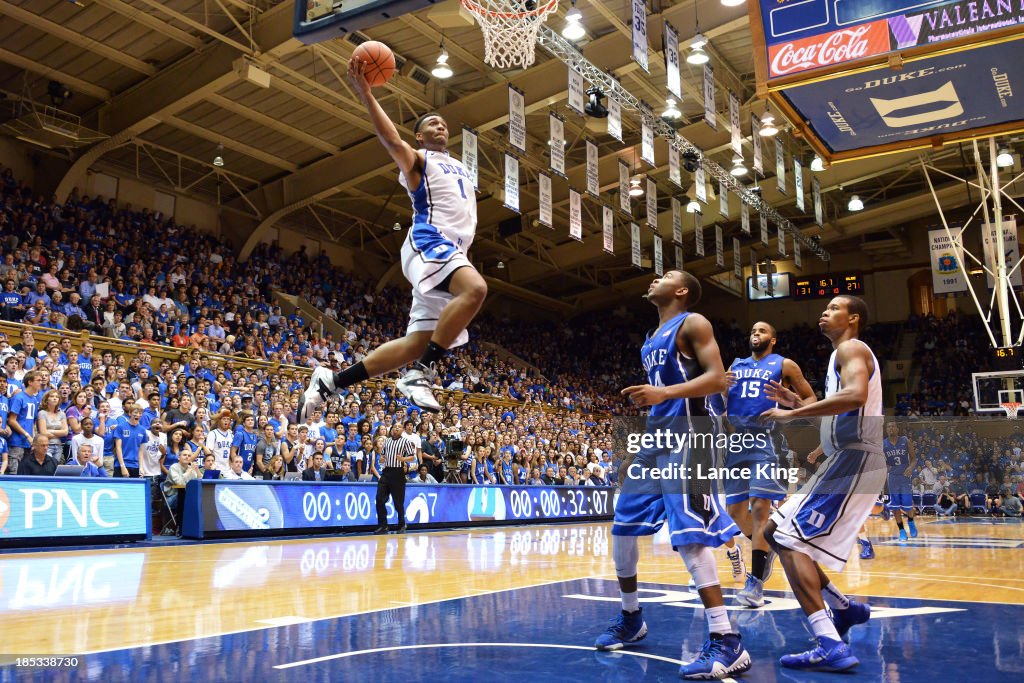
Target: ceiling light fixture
768	128
697	55
501	265
635	187
855	204
738	168
817	165
671	110
441	69
573	29
218	160
1004	159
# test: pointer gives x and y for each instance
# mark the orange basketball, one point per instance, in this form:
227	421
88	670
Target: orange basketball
379	59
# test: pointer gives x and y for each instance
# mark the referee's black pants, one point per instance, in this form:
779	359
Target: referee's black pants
392	483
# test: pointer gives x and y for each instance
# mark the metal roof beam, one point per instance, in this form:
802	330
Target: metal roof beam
229	143
74	82
152	23
270	122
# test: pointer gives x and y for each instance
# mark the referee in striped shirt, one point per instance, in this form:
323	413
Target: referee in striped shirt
396	453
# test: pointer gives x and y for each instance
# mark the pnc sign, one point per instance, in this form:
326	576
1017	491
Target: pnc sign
57	509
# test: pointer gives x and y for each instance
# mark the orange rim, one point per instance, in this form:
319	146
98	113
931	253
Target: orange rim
477	9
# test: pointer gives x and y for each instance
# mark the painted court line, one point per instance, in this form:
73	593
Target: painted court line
284	621
221	634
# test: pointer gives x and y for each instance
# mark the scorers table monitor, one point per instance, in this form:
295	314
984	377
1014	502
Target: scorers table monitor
827	286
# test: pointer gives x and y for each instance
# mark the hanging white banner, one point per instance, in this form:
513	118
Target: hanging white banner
948	272
614	119
516	118
782	243
700	185
744	217
680	264
659	265
652	204
634	245
624	204
469	155
674	174
556	129
640	34
719	247
575	215
544	184
647	142
577	98
608	228
672	60
737	259
709	97
796	255
990	241
677	221
780	165
723	199
511	182
764	230
754	279
593	182
798	183
755	139
698	233
819	214
734	124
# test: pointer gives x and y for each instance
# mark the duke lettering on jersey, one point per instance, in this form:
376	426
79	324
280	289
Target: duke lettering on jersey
897	457
666	366
444	199
747	397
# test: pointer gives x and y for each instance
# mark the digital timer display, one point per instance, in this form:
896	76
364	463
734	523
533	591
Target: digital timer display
827	286
216	509
1007	358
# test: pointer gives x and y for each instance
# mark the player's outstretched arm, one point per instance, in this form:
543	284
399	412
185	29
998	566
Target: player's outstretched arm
794	376
402	152
855	364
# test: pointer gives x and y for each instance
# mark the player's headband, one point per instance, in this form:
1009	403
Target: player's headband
421	120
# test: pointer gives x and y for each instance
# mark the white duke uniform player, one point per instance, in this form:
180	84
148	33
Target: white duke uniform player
818	525
683	366
447	290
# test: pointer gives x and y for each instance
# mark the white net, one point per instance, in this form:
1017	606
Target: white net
510	29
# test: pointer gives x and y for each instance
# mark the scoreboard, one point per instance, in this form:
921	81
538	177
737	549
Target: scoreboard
827	286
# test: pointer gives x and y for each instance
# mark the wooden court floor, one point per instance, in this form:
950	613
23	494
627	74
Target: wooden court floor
90	602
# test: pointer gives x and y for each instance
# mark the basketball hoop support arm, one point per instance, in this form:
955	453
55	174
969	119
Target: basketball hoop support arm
565	51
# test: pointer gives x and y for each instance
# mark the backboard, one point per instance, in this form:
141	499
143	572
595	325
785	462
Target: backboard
319	20
994	389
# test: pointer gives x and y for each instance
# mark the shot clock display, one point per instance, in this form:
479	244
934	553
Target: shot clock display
827	286
216	508
1007	358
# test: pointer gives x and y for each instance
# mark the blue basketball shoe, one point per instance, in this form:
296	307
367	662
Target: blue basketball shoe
627	627
721	656
867	552
752	594
856	613
903	535
913	528
828	655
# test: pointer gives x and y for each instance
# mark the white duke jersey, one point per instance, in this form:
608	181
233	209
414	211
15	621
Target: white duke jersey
220	443
862	428
445	198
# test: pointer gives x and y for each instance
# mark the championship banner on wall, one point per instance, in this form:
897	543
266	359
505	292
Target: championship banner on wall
647	142
615	119
736	134
755	139
608	229
698	233
577	98
624	204
634	246
819	210
593	182
780	165
782	244
700	184
754	280
652	204
677	221
517	118
659	267
469	155
948	272
1011	252
556	128
796	254
672	61
719	247
674	174
680	262
764	230
544	186
723	199
798	181
744	217
511	182
737	259
575	215
709	97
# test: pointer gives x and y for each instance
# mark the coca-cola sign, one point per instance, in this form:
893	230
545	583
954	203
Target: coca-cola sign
838	47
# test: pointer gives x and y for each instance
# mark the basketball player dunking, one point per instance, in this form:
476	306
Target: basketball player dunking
750	500
683	368
447	291
818	525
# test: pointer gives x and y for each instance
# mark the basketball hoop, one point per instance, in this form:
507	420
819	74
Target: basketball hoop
510	29
1011	409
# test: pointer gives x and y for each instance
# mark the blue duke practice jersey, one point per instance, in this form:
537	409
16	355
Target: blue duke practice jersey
666	365
747	397
897	457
